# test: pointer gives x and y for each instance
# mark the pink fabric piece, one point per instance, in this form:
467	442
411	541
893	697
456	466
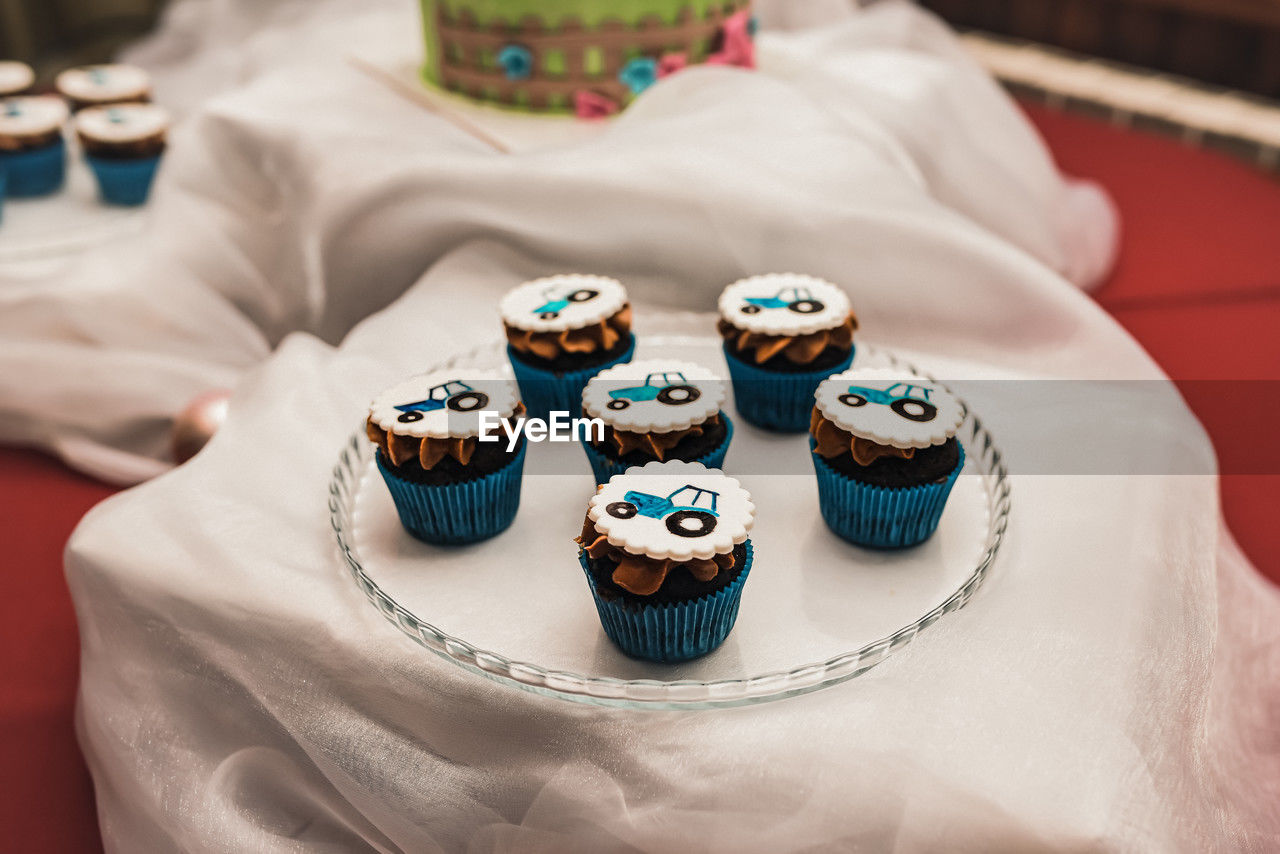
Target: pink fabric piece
739	48
592	105
671	63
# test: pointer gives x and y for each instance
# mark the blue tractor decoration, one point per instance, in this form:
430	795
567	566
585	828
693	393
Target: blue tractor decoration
551	309
689	511
799	300
670	388
909	401
455	395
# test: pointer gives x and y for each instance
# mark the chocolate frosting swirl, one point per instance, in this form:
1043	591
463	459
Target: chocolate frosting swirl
622	442
797	349
830	441
586	339
644	575
428	451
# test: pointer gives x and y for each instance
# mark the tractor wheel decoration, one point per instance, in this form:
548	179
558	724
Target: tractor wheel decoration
853	400
583	295
914	410
468	401
410	417
806	306
690	523
751	309
675	395
621	509
618	403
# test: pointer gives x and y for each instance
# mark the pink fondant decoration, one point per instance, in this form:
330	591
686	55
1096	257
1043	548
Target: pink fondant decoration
671	63
592	105
739	49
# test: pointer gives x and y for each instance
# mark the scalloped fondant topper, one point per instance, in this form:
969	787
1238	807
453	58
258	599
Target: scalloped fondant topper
784	304
122	122
558	303
444	404
673	510
31	115
654	395
103	82
890	407
15	76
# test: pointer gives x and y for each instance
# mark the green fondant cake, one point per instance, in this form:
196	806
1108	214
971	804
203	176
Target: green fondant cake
589	57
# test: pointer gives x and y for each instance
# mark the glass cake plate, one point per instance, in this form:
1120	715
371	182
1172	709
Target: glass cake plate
815	610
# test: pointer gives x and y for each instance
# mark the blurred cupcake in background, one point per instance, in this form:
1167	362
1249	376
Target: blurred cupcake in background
98	85
656	410
32	152
122	144
783	334
886	455
561	331
15	78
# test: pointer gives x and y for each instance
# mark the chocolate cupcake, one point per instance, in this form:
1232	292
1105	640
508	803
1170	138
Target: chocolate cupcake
33	155
656	410
122	144
15	78
452	481
666	552
783	334
886	455
561	331
99	85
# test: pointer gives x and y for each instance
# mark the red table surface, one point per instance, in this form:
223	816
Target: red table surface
1198	283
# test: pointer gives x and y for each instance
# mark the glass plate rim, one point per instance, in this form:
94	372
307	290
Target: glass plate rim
658	694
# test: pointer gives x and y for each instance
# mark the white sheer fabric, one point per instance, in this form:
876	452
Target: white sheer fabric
1110	688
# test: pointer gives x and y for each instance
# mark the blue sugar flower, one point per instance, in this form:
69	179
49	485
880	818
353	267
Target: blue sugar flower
639	74
516	61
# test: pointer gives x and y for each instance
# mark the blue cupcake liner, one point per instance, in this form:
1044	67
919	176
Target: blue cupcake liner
36	172
878	516
776	400
546	391
675	631
457	513
124	182
4	182
605	468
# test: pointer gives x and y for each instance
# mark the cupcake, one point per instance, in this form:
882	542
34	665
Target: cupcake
656	410
666	551
15	78
32	153
783	334
561	331
445	459
886	455
98	85
122	144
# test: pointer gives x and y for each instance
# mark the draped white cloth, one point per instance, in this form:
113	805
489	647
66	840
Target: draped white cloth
1111	687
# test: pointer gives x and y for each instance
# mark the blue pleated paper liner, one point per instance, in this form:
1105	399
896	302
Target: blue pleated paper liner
457	513
676	631
37	172
124	182
878	516
4	183
545	391
776	400
605	468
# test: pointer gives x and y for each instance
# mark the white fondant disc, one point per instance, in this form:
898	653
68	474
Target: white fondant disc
444	404
28	116
103	82
890	407
674	510
784	304
558	303
15	77
654	395
122	122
